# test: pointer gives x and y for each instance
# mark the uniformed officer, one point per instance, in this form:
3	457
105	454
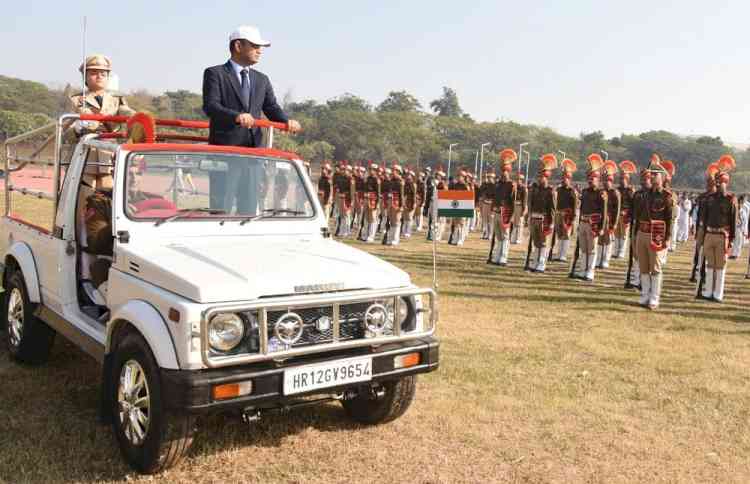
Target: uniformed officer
670	168
440	184
420	199
372	199
643	191
653	213
345	194
486	194
358	208
503	204
519	210
719	219
622	230
395	206
336	182
410	202
542	207
98	100
325	191
592	217
568	200
613	214
459	226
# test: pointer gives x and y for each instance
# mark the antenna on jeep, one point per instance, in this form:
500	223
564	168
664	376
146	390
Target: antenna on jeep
83	79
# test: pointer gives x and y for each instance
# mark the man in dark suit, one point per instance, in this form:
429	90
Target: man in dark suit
234	95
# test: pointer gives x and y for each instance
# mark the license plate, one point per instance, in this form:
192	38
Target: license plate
328	374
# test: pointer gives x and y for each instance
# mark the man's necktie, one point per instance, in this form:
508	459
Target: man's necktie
245	87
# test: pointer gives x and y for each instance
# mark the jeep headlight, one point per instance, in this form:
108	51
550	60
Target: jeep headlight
225	331
381	316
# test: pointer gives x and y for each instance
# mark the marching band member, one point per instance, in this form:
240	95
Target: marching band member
592	217
719	218
613	214
567	202
653	214
503	205
622	231
542	206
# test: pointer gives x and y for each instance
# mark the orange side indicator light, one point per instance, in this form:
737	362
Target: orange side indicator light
232	390
406	361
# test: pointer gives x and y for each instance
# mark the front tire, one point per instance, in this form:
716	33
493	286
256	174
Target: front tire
383	403
29	338
150	439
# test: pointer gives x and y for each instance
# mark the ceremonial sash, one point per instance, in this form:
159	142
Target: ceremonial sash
658	235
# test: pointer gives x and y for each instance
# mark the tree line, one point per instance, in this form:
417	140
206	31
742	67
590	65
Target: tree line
398	129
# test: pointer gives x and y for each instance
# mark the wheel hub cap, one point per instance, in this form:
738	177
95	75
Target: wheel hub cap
15	317
134	402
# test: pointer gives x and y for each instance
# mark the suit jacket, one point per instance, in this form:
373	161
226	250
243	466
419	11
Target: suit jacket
222	103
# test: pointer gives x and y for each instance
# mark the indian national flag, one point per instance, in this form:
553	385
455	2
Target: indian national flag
455	203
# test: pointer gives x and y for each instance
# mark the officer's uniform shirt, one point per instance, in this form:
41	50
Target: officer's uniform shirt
324	189
105	104
720	213
504	194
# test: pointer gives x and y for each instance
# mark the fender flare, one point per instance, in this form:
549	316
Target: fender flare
21	253
149	323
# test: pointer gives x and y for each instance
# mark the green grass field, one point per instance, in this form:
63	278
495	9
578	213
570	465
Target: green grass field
542	379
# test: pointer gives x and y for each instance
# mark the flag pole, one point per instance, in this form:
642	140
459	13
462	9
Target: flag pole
434	238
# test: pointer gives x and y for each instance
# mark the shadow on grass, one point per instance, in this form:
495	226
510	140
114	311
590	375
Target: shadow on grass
51	433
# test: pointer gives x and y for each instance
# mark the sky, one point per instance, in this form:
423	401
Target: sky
575	66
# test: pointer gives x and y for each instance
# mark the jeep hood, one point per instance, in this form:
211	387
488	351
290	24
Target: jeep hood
227	269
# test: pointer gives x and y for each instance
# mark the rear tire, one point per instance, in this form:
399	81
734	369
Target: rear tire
29	339
151	440
370	409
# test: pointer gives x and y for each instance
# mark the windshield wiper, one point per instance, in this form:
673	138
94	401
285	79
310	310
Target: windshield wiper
185	211
270	212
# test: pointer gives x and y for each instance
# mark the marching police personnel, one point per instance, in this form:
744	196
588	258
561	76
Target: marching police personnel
700	231
410	203
358	209
719	219
542	206
567	202
519	210
395	206
626	191
670	168
592	218
372	198
653	214
440	184
613	214
98	100
420	199
325	189
344	188
459	227
643	191
486	193
503	204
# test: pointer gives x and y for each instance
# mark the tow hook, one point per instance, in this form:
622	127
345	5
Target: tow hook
376	393
250	415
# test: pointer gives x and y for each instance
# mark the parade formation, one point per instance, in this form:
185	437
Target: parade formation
607	219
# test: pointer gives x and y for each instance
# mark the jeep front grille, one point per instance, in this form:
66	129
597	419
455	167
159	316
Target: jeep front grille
342	326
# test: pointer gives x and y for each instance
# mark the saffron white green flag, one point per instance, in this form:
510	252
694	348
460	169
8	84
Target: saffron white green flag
455	203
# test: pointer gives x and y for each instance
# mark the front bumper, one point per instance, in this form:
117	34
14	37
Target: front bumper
191	390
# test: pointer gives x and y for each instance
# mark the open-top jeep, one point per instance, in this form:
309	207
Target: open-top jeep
203	278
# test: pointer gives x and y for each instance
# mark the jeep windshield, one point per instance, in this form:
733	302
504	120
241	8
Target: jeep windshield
168	187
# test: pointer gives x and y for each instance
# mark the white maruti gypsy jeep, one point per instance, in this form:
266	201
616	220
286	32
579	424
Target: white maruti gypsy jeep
222	289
